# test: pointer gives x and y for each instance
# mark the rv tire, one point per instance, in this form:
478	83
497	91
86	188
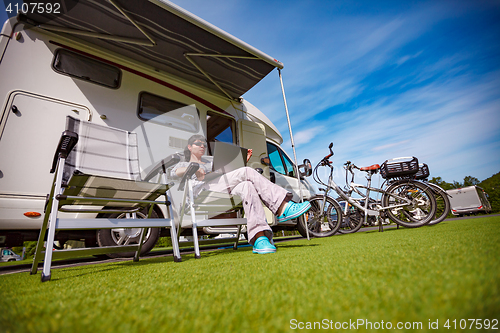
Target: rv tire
113	237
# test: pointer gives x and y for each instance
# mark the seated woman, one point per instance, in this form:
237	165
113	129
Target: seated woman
251	187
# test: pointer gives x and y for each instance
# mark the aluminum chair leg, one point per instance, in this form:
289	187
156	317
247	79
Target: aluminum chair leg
174	237
178	234
193	220
139	246
197	254
47	262
173	233
141	236
39	245
143	233
235	246
43	230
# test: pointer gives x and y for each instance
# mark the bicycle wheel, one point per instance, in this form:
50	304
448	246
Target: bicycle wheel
352	221
321	222
421	207
442	204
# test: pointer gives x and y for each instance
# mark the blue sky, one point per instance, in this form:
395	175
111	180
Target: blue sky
380	79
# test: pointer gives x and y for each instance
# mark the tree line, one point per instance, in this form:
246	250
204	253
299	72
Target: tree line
468	181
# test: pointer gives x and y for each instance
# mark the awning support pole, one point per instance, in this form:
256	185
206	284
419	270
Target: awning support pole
297	173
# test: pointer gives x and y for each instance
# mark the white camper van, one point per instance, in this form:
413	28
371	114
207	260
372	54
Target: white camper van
144	66
7	255
468	200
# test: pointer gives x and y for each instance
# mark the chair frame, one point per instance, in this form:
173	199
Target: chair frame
57	199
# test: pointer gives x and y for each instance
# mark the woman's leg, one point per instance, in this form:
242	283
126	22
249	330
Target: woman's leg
271	194
252	188
254	212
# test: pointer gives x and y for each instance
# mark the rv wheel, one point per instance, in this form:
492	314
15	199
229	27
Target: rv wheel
128	236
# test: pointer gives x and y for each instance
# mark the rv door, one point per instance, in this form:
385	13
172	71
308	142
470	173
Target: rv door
30	129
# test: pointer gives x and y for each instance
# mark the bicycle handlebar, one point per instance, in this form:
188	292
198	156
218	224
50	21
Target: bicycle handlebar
349	166
327	157
324	162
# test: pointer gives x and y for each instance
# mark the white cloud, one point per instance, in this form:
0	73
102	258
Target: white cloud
305	136
391	145
454	129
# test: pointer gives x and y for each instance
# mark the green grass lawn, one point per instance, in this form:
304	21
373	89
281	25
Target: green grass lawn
448	271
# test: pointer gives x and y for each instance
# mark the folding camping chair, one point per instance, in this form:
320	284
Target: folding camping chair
100	175
205	205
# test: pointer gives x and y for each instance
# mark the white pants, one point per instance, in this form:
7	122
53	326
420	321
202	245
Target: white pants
253	189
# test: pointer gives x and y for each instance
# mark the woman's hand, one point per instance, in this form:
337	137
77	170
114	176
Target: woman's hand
180	172
249	154
200	174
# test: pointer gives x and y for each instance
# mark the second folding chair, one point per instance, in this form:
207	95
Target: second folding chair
204	209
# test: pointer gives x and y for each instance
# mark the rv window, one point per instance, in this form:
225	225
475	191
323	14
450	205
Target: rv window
220	127
288	165
275	159
170	113
87	69
279	161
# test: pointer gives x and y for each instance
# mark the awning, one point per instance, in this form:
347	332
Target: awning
166	37
170	39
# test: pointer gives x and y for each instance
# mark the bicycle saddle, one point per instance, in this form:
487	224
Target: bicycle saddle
370	168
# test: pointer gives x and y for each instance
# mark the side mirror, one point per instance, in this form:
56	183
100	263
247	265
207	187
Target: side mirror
307	168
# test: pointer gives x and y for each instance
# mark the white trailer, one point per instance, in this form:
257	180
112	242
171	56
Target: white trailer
468	200
143	66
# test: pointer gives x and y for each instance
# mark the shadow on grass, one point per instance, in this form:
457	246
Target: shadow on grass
385	230
250	249
97	268
290	246
78	271
395	228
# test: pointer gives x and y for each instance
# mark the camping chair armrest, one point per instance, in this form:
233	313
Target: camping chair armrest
190	171
66	144
163	165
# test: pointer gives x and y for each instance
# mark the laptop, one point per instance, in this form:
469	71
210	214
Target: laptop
227	157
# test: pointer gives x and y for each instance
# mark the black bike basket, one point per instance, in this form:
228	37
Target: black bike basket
393	168
423	172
